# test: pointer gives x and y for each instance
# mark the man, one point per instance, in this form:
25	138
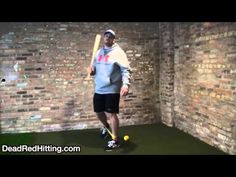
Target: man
111	72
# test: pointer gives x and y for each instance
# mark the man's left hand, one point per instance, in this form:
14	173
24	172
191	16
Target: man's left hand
124	90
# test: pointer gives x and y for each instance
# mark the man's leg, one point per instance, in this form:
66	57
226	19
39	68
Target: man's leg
99	107
111	111
103	118
114	121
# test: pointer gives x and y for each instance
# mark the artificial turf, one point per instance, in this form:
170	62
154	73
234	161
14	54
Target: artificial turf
149	139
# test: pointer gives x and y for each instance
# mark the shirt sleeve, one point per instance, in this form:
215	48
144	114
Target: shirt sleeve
123	62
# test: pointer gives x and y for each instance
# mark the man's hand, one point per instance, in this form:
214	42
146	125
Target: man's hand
124	90
90	70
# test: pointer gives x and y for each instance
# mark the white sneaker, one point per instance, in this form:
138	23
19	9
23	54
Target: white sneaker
111	145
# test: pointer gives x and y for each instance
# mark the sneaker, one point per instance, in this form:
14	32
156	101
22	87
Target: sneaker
112	145
104	133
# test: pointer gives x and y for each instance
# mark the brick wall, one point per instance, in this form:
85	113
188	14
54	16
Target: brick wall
204	81
166	72
43	70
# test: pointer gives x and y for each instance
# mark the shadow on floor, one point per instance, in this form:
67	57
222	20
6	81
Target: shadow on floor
127	147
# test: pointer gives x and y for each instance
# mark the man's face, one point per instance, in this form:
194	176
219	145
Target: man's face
108	39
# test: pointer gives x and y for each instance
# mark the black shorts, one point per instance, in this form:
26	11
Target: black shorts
106	102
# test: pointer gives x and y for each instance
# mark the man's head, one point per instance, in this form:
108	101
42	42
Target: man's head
109	38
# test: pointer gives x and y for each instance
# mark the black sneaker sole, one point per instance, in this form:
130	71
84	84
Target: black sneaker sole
114	149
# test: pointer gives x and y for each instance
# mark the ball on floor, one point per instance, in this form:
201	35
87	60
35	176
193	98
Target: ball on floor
126	137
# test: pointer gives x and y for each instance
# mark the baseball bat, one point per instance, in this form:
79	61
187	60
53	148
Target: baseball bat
95	48
112	136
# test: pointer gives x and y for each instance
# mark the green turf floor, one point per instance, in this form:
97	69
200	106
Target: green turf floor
155	139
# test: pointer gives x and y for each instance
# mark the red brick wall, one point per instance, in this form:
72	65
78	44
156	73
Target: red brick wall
49	92
200	60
